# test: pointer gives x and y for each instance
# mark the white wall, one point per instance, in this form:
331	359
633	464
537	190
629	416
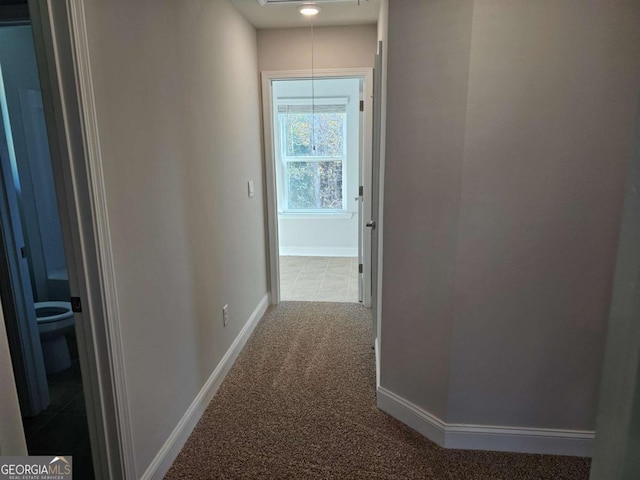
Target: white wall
428	67
547	144
326	234
509	132
334	47
176	87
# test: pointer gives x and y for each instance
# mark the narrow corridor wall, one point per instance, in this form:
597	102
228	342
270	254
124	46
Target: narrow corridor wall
510	126
177	100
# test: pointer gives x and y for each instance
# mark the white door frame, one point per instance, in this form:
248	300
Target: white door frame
270	167
62	51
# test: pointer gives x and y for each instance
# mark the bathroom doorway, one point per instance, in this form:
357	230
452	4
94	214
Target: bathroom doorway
34	285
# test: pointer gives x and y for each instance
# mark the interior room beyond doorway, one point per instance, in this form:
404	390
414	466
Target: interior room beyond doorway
317	140
34	282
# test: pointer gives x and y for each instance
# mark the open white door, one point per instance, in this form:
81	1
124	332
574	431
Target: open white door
366	188
360	198
375	186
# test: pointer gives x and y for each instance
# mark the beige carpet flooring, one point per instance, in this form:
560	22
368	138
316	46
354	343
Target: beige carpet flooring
300	404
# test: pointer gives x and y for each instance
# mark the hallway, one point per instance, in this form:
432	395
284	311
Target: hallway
300	403
502	135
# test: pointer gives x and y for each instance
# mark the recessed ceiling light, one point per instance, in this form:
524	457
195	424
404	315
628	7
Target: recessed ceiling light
309	9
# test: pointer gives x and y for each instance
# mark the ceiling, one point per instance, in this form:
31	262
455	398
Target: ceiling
286	15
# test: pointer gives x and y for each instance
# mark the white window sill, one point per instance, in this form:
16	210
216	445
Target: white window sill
316	216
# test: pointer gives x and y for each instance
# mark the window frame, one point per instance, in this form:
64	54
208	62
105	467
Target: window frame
286	159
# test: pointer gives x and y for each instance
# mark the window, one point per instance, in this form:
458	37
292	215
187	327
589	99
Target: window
313	146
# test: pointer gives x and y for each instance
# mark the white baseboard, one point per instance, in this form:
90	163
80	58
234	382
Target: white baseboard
318	251
522	440
376	347
483	437
420	420
169	451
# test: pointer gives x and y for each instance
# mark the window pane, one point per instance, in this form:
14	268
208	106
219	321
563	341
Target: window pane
298	138
314	185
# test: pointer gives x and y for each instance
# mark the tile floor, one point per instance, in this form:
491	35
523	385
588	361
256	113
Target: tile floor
62	428
320	279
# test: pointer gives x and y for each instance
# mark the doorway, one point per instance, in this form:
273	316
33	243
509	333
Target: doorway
317	143
34	281
318	150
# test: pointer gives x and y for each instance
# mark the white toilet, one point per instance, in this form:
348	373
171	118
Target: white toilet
55	320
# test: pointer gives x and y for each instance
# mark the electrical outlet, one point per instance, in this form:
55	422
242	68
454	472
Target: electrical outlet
225	315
